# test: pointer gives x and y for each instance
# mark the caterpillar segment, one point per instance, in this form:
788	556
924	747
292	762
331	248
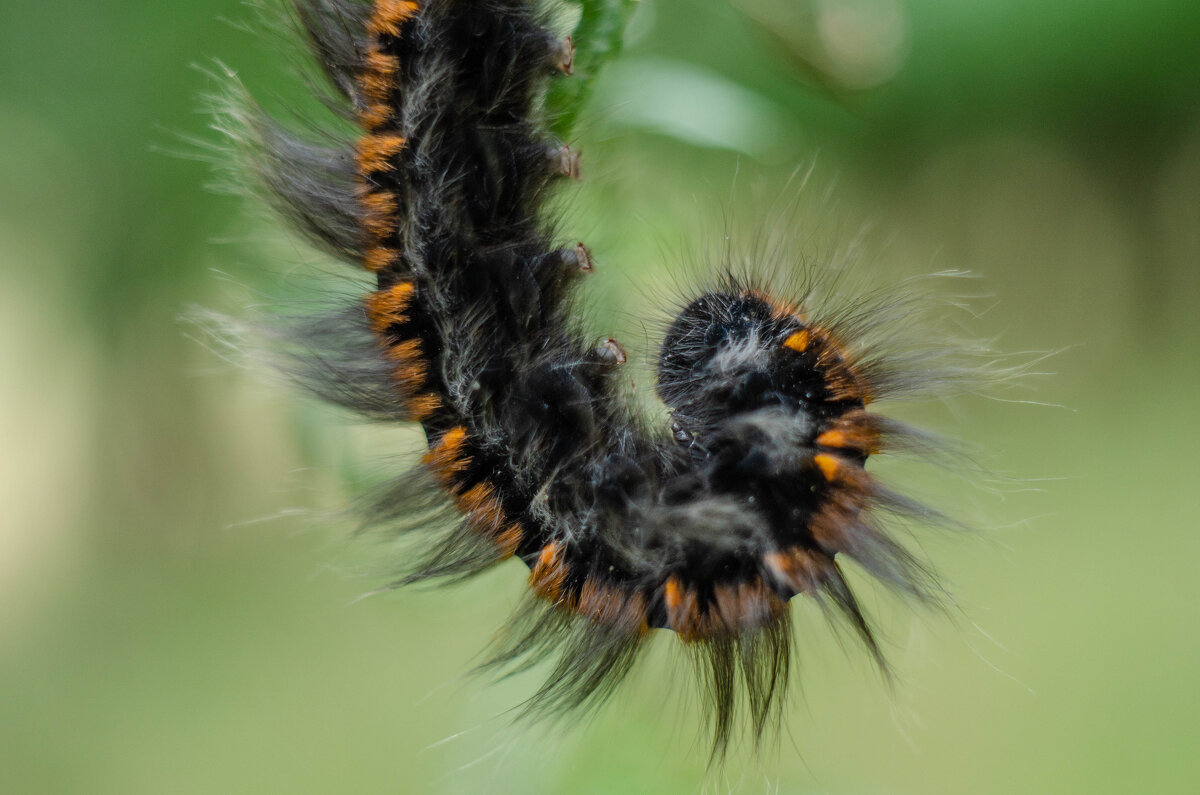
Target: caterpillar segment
706	529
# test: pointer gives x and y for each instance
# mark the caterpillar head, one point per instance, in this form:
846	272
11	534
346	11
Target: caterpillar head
771	409
730	353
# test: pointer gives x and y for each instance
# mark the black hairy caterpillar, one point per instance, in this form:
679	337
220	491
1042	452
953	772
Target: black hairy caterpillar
707	527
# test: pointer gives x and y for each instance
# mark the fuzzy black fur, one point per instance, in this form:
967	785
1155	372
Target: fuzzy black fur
708	527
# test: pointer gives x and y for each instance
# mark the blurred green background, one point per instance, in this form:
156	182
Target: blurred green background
176	616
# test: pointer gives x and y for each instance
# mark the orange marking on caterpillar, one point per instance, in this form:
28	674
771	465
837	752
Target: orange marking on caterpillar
386	307
852	431
733	608
421	407
796	568
613	606
683	611
834	438
405	351
832	524
445	459
838	517
738	607
375	115
797	341
829	466
376	82
376	150
782	567
841	381
672	593
829	353
389	16
549	573
842	384
486	516
378	77
480	501
747	605
410	376
508	541
380	213
759	603
380	257
412	368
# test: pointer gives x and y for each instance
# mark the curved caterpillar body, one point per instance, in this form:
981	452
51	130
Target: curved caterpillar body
706	528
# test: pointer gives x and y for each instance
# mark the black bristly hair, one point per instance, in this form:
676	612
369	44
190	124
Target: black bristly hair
708	527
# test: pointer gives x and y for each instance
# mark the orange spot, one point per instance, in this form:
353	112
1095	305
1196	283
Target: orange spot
834	525
508	541
375	115
384	310
386	307
594	599
376	83
854	430
389	15
828	465
485	515
380	257
683	610
380	213
549	573
841	381
843	385
376	150
412	368
410	375
404	352
796	568
797	341
725	612
613	605
481	499
733	608
757	603
672	593
778	564
454	437
422	406
834	438
445	459
380	62
377	80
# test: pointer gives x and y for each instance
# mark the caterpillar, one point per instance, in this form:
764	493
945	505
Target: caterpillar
707	526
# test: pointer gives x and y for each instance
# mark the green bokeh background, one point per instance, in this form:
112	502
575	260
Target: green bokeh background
177	616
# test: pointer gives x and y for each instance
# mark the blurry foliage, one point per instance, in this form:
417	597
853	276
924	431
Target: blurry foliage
597	37
156	636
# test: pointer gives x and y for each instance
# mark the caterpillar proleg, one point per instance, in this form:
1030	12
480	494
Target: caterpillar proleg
756	490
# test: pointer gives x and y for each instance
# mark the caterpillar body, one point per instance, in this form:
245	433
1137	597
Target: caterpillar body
752	495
